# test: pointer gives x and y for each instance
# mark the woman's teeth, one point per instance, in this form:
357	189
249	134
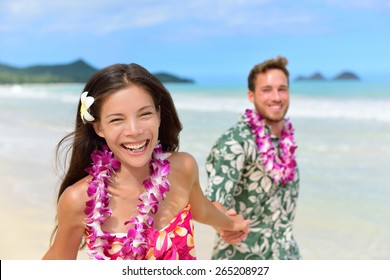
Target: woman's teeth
136	148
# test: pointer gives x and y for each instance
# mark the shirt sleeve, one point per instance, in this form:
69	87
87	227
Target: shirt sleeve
224	167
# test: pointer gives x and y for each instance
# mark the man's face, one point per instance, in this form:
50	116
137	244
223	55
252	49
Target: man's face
271	96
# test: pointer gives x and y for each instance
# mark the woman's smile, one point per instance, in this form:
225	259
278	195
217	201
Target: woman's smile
136	148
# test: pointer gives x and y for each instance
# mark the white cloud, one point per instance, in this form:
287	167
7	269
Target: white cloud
200	17
374	5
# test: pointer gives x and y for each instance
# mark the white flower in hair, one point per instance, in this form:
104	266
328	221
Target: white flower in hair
86	102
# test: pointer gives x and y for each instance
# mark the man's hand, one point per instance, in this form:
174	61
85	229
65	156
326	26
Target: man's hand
234	237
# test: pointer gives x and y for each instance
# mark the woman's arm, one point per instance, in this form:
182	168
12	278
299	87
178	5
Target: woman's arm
204	211
70	217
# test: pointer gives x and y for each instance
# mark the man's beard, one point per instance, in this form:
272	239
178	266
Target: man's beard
269	118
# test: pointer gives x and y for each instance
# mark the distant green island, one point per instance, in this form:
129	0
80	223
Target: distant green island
76	72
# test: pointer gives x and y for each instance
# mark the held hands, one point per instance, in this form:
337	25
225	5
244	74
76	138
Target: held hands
240	228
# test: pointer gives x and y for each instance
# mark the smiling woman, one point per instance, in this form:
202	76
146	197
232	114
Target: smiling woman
140	196
131	127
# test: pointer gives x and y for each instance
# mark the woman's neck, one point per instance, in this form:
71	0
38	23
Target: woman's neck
131	174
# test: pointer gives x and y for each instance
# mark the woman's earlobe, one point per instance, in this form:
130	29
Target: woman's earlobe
97	128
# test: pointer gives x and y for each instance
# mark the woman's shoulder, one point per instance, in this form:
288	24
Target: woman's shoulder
182	159
183	162
75	196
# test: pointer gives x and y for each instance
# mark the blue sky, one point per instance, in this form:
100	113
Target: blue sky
214	41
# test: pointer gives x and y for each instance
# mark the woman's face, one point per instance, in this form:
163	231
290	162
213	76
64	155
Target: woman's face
129	122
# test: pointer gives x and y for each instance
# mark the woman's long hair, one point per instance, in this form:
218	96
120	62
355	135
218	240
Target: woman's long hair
80	143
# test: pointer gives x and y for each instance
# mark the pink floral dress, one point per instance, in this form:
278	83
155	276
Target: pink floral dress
173	242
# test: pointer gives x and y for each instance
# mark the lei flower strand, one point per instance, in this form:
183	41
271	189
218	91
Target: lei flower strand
156	186
136	244
97	210
282	167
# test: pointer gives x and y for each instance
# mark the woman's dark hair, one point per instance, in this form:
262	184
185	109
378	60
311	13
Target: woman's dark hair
83	140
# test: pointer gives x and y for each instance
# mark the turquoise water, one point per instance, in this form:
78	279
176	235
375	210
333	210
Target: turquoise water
342	132
342	89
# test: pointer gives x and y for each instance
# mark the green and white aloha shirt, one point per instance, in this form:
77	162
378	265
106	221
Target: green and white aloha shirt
237	179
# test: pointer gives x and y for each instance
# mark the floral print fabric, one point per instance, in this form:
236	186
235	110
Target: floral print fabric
173	242
237	179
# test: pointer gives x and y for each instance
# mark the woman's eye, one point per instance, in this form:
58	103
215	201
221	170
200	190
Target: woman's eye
115	120
145	114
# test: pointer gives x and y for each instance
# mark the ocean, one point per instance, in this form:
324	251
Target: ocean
342	131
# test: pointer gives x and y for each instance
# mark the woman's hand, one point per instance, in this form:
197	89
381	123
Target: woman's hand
240	229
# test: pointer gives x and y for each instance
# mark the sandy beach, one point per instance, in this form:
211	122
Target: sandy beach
27	226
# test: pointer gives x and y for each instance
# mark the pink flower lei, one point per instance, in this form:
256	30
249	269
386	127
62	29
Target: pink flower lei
136	244
281	168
